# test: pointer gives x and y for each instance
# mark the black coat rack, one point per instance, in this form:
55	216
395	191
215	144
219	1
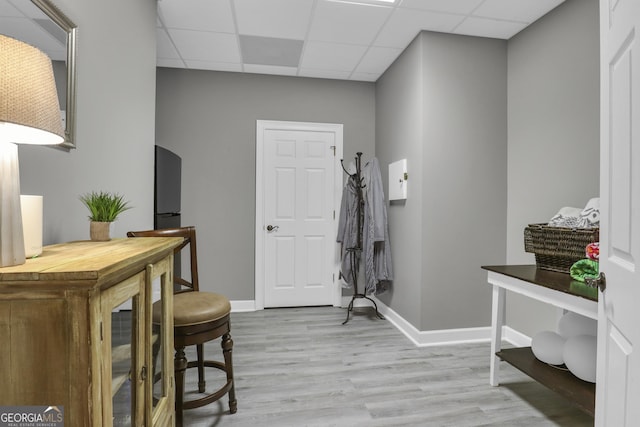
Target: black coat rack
355	252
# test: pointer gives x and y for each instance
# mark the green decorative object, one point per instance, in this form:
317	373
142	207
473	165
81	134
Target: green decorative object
585	268
104	208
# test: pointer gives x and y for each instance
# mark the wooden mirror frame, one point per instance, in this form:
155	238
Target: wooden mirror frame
57	16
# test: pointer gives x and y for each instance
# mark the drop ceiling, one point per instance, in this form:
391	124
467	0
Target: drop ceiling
335	39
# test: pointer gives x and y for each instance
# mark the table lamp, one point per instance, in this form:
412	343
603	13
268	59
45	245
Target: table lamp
29	114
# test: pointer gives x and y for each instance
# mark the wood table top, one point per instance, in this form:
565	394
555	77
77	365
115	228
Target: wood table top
562	282
88	261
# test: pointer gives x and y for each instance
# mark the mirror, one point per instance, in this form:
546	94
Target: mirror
59	18
41	24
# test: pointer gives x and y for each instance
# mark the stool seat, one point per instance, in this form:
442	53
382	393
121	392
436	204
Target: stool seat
192	308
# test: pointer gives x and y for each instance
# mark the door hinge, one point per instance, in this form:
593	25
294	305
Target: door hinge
101	333
334	214
334	278
333	147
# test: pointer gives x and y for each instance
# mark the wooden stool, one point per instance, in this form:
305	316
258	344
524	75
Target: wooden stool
198	317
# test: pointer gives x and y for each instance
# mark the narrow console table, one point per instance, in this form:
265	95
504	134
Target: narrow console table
557	289
56	327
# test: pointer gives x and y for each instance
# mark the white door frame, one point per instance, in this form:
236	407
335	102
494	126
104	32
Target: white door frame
261	127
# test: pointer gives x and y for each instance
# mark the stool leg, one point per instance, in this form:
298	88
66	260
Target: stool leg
201	380
227	348
179	366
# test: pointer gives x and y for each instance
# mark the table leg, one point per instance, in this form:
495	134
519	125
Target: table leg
497	321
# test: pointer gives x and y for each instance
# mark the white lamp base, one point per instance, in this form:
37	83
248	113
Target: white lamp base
11	237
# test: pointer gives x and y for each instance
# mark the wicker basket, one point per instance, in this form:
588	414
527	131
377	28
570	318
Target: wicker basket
558	248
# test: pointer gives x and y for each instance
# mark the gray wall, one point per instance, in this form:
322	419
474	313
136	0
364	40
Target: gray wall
465	190
399	135
115	122
553	132
209	119
442	105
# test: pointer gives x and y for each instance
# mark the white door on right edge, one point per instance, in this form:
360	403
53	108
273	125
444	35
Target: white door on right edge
618	378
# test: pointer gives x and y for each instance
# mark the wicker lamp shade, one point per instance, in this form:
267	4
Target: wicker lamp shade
29	108
29	114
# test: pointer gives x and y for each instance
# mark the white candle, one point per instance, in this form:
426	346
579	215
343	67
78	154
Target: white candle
32	224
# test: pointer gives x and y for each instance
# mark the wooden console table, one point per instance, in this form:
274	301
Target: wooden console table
557	289
56	329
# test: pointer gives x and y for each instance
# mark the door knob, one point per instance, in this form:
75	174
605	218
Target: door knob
272	227
600	282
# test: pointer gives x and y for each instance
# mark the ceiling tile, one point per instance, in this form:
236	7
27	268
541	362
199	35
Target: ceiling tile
200	15
482	27
288	19
405	24
164	47
364	77
204	46
213	65
352	23
324	74
331	56
270	51
270	69
516	10
170	63
377	59
464	7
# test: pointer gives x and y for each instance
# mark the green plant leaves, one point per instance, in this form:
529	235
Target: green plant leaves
104	206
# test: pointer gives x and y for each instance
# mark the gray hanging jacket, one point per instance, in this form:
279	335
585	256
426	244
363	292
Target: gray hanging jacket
348	231
376	249
378	270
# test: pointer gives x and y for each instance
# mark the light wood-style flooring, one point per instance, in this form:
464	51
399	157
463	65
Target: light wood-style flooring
302	367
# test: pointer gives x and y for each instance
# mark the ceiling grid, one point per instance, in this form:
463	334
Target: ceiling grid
335	39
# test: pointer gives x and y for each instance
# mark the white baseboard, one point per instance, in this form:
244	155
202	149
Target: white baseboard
445	336
243	305
420	338
514	337
433	338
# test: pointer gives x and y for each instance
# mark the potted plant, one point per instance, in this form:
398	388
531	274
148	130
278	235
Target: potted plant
104	208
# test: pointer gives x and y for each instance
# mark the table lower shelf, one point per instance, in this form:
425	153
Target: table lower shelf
579	392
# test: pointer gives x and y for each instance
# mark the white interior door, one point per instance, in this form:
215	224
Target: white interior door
618	377
296	250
